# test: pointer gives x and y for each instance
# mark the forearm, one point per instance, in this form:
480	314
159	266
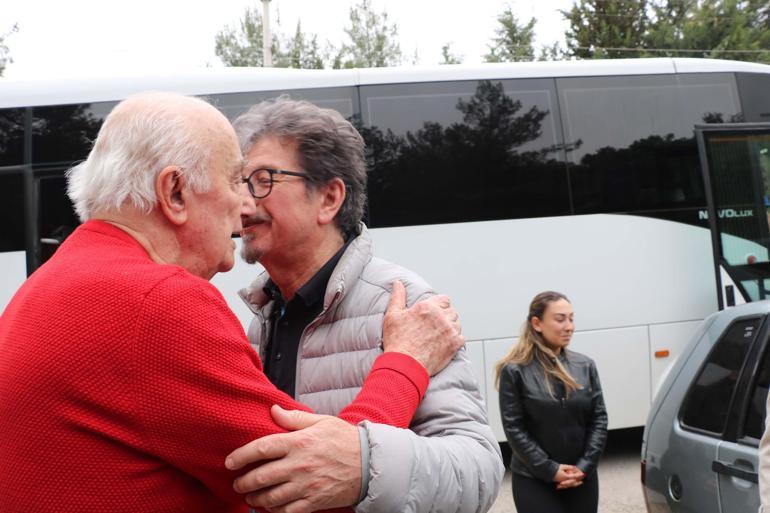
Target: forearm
391	392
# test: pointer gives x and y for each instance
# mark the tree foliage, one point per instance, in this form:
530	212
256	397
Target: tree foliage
242	45
601	28
724	29
727	29
448	56
372	41
512	41
300	51
5	56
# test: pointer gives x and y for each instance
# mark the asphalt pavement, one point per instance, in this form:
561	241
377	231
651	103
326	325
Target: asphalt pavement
620	490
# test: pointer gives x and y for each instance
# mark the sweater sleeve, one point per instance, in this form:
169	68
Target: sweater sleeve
200	391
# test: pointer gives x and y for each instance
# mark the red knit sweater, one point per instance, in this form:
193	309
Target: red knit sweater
125	383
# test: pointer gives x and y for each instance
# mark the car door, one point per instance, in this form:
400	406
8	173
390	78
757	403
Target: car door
737	456
693	455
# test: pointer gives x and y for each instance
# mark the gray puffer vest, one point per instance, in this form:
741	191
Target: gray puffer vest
338	348
450	460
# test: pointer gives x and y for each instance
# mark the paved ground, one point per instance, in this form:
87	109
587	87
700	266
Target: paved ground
619	488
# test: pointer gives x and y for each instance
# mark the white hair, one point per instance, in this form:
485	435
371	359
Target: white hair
142	135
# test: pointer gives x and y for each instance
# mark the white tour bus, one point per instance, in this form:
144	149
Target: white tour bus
494	182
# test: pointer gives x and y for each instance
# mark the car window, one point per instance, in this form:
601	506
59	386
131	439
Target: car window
706	405
755	415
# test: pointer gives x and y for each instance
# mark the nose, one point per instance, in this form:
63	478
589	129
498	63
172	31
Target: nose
248	203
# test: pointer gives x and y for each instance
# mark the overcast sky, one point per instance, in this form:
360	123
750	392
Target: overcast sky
86	37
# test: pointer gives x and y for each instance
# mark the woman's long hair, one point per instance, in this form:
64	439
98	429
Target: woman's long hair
531	345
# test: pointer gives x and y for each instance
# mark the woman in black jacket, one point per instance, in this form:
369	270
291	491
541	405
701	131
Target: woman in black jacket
553	413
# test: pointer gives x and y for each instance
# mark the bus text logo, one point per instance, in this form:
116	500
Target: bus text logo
727	213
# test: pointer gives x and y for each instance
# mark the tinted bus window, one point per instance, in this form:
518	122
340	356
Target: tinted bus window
11	137
755	101
341	99
708	401
631	142
65	133
56	214
463	151
11	210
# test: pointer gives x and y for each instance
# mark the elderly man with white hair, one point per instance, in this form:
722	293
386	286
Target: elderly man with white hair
125	381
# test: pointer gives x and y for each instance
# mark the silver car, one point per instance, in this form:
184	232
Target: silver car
699	452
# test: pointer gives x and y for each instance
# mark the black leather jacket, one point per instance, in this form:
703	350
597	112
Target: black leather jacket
545	431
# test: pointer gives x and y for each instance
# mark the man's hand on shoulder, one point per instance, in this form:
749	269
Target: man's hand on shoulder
317	465
429	331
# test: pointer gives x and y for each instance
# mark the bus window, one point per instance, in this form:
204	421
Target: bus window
64	133
755	101
338	98
636	151
11	210
448	152
56	214
11	137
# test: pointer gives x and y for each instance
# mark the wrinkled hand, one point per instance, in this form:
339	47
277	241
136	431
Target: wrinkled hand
429	331
317	465
568	476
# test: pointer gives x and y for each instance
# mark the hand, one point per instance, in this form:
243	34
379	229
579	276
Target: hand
317	465
566	472
429	331
569	483
568	476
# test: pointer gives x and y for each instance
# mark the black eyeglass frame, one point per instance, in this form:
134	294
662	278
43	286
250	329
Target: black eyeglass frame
272	173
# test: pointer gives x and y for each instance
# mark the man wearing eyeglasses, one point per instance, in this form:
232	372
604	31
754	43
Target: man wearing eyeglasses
319	318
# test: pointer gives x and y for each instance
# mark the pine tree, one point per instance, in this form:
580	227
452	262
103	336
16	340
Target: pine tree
606	28
448	56
512	41
5	56
372	40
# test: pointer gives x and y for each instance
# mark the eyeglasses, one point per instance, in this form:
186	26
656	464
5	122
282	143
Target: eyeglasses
260	181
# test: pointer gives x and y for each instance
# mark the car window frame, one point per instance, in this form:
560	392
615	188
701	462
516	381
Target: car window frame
736	420
730	428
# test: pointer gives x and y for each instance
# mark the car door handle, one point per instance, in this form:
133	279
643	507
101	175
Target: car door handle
721	467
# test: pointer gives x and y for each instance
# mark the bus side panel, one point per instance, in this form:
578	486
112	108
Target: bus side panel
621	357
623	365
475	352
617	270
667	341
14	266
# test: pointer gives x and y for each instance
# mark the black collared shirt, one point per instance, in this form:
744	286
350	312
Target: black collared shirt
289	320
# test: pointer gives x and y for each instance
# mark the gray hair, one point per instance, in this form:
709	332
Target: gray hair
142	135
329	147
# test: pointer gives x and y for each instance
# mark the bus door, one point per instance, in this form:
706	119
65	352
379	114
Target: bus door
735	162
55	217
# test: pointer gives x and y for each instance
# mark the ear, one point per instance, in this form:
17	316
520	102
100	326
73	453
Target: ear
537	324
331	196
172	194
